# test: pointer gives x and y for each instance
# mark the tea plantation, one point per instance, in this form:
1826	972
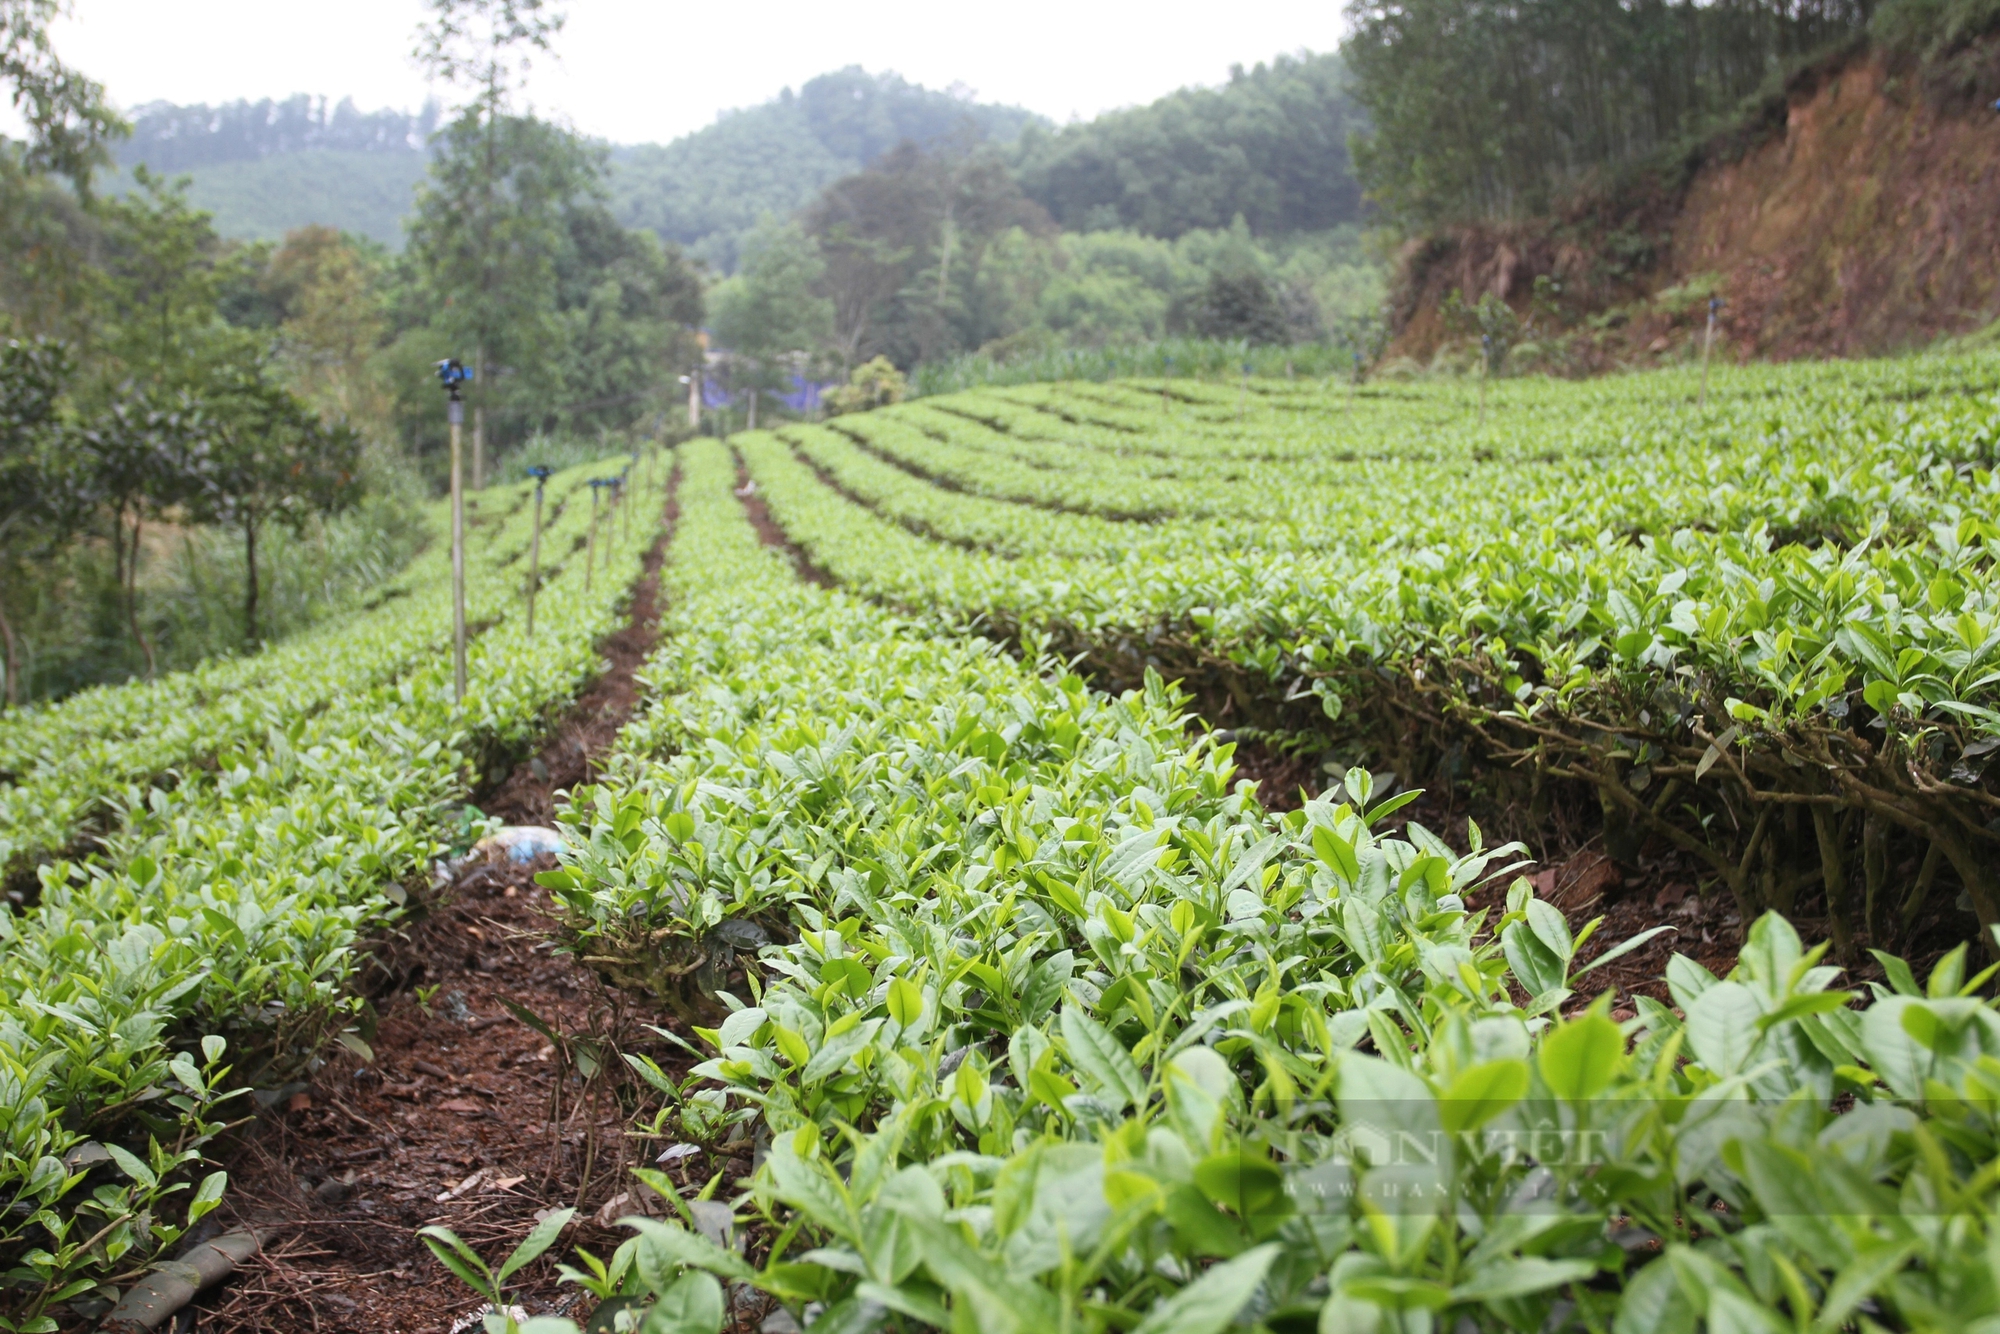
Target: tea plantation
1042	1020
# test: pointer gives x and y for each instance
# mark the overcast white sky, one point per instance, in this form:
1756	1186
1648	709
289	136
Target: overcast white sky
636	72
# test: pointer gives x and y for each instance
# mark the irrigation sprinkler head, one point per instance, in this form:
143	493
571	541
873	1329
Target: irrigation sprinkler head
541	473
452	373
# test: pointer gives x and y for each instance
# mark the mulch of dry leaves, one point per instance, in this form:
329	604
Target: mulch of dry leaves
466	1116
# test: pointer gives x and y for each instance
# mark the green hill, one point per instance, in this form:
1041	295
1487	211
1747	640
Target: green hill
706	190
264	168
263	198
1269	145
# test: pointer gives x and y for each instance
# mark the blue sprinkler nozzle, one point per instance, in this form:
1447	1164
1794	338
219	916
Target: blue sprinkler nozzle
452	373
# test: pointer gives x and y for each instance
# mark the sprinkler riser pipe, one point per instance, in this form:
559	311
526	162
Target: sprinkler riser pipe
456	413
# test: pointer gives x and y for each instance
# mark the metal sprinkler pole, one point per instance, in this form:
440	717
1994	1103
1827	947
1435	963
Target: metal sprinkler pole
540	475
452	374
457	414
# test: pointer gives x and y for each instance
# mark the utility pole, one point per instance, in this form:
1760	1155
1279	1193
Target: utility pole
541	475
451	374
1708	342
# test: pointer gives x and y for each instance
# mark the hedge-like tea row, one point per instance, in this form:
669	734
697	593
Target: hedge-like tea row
228	908
1768	634
66	766
1047	1025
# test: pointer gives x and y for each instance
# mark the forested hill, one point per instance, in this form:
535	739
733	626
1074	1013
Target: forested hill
173	138
264	168
706	190
1269	145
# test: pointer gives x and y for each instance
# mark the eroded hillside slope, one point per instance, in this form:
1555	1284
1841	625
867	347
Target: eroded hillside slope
1861	215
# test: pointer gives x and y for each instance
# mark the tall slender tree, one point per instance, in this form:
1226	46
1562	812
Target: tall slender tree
266	457
68	120
487	48
141	457
770	308
42	501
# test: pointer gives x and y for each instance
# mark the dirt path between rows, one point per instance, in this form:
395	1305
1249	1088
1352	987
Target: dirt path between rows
768	531
467	1116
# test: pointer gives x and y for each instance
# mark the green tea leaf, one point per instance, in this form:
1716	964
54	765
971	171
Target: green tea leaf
1579	1059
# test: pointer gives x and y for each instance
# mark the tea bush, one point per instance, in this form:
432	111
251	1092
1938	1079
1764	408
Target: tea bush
1766	632
226	908
1044	1022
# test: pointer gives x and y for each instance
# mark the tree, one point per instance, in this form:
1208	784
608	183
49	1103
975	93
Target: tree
628	305
1238	303
491	227
872	385
46	228
333	315
67	117
1270	145
160	285
1496	108
48	287
708	191
903	244
771	308
40	503
268	457
496	184
139	458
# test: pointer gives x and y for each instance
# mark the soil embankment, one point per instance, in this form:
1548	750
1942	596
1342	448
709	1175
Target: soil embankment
1860	215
